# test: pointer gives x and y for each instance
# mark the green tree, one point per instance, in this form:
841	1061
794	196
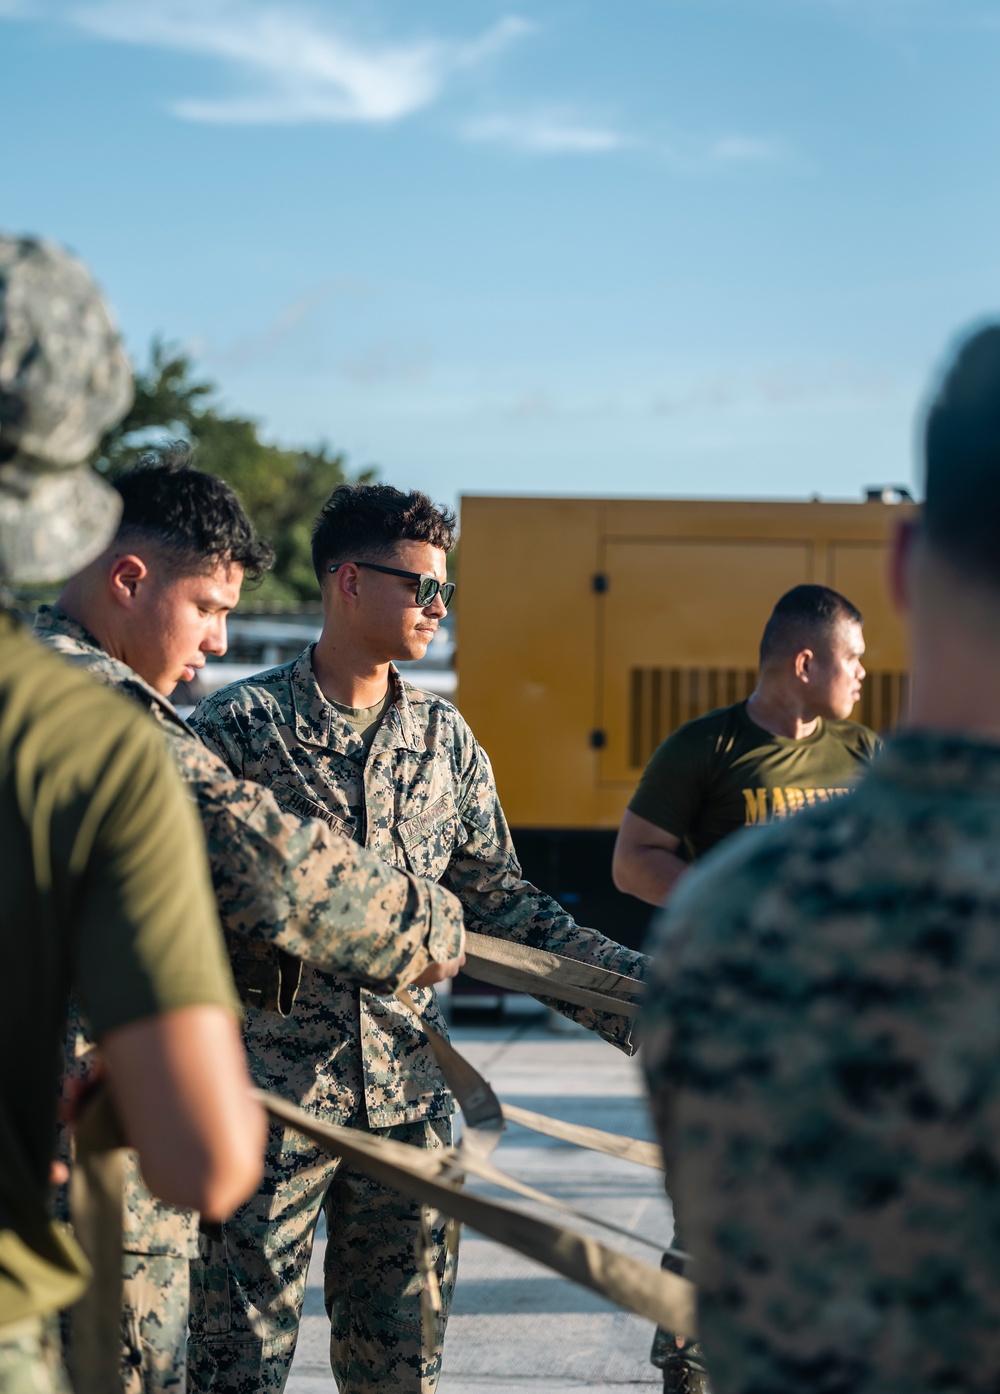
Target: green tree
281	489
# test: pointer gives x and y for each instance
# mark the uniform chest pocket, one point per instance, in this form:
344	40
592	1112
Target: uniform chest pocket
295	801
430	838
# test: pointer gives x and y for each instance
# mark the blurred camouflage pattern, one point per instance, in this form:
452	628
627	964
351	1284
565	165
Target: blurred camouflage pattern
64	379
821	1042
154	1323
30	1359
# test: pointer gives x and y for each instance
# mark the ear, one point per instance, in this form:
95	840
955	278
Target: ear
803	662
345	582
126	577
900	562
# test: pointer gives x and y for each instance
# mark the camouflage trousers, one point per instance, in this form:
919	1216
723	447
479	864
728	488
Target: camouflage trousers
158	1244
154	1323
31	1358
155	1299
248	1284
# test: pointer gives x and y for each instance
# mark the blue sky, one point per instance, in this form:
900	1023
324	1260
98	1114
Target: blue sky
693	247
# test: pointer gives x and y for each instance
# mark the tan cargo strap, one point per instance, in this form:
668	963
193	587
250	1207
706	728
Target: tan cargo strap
650	1292
480	1107
544	974
486	1171
97	1183
630	1149
483	1116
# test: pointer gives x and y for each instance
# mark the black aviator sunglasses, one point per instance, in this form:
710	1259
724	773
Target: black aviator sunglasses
427	586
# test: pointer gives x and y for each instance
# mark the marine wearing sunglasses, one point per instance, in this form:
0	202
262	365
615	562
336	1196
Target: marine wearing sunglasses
427	586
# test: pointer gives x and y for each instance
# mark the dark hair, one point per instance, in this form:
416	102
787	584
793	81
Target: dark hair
195	518
961	515
365	521
803	615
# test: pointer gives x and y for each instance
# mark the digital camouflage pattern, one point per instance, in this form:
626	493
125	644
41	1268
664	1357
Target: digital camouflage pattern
425	801
63	381
288	888
717	802
248	1288
158	1244
30	1358
154	1322
823	1055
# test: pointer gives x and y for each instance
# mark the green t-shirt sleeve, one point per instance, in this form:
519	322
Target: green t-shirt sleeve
672	789
148	937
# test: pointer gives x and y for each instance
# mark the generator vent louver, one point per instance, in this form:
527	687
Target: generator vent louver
661	699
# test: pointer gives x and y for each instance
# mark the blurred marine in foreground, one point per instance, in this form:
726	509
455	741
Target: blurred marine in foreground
824	1026
105	886
788	747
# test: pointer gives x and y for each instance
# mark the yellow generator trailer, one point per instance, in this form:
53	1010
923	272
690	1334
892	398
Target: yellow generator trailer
589	629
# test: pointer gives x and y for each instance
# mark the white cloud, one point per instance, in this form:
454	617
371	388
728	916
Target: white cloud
256	348
746	150
542	133
779	388
296	66
388	362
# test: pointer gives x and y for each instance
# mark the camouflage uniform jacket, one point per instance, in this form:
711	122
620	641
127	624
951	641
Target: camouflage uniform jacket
288	889
425	801
823	1053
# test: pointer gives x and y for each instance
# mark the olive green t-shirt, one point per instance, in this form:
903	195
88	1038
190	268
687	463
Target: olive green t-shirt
366	720
105	888
722	771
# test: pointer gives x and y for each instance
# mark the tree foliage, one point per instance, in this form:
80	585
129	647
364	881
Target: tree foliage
282	489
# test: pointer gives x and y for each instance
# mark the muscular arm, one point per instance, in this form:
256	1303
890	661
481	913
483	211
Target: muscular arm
199	1136
645	863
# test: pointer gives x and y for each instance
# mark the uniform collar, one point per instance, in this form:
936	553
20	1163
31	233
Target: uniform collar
77	642
318	722
50	619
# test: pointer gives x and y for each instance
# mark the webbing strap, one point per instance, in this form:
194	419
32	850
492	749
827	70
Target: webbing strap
97	1183
480	1107
630	1149
544	974
487	1172
650	1292
484	1115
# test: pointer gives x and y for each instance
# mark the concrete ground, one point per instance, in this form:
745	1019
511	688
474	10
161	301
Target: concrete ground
515	1327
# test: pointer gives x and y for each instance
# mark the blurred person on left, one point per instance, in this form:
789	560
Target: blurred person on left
103	871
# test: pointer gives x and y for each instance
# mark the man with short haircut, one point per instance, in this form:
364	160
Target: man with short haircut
397	769
789	746
105	887
140	617
823	1036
